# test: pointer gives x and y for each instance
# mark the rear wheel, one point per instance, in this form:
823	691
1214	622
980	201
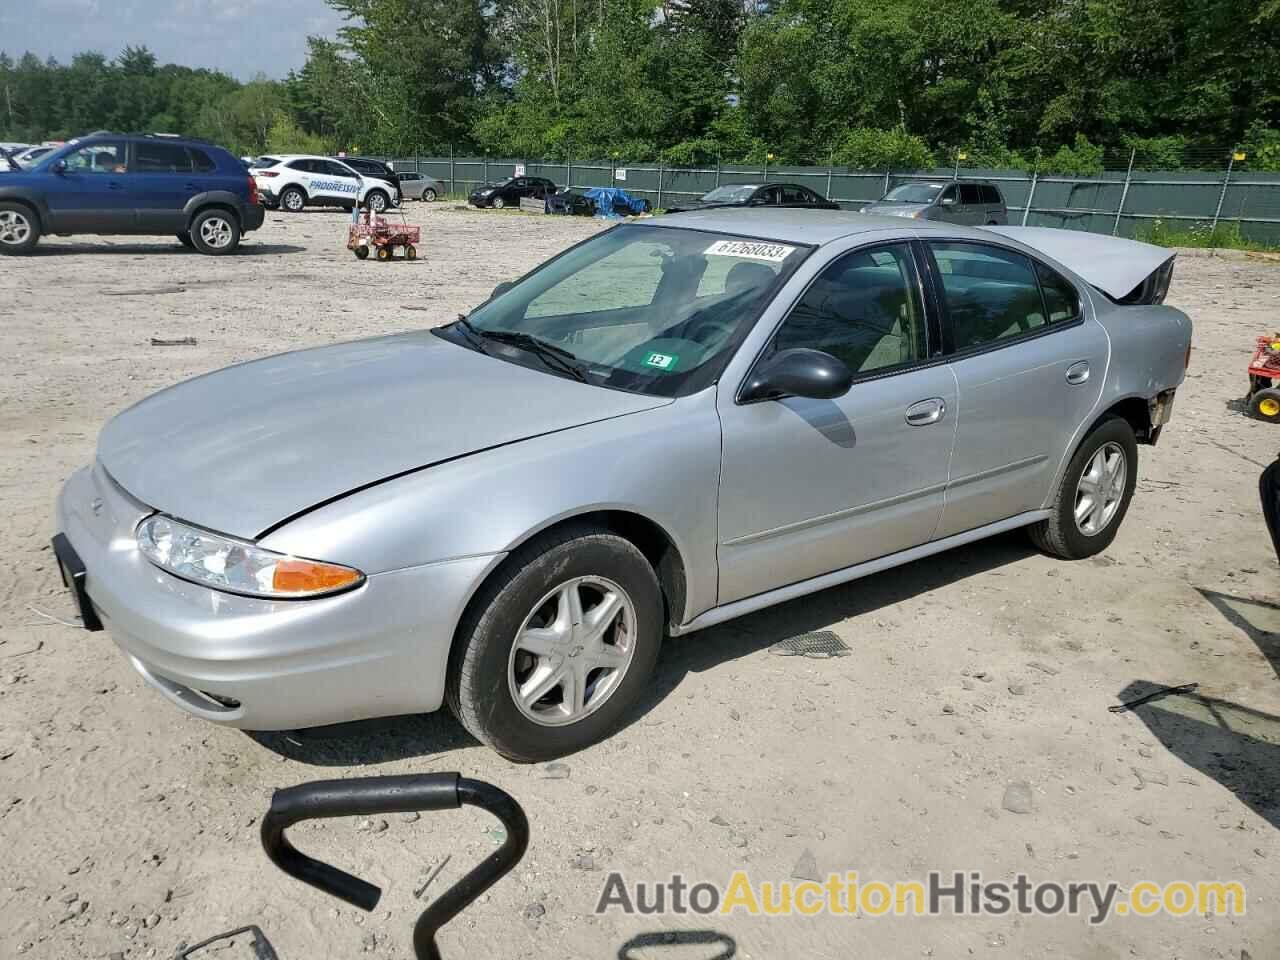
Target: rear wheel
557	647
1093	495
293	200
411	252
1265	405
362	253
19	229
384	254
428	195
215	232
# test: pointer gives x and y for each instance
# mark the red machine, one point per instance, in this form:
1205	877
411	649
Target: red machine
371	231
1264	372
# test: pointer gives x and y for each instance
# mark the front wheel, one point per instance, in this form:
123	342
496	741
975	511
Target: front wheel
377	201
556	649
1093	495
184	238
498	203
19	229
215	232
1265	404
293	200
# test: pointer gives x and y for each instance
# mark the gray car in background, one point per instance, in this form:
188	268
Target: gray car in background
418	186
970	202
676	422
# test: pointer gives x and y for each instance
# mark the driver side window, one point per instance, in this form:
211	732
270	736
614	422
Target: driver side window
97	158
865	309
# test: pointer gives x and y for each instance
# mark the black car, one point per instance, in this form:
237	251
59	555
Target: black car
572	203
511	191
758	195
131	184
368	167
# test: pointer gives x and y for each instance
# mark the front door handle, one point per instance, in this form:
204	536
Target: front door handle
925	412
115	185
1078	372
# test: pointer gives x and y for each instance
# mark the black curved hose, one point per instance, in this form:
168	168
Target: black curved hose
369	795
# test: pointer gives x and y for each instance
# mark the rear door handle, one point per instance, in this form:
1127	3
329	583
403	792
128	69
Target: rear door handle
925	412
115	185
1078	372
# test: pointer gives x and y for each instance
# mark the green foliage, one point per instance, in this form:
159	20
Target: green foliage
1224	235
893	83
285	136
870	149
1262	148
1081	159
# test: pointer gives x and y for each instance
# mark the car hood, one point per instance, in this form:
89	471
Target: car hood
882	209
245	448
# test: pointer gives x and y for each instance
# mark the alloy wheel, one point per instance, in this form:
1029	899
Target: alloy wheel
1101	489
216	232
572	651
293	201
15	228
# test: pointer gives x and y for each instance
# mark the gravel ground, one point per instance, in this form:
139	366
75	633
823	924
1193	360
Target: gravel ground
979	680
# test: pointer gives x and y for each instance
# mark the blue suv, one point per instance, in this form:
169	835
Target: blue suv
138	184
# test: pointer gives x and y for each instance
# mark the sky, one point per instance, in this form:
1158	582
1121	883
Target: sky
239	37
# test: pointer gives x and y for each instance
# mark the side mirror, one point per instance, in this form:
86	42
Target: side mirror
799	372
948	201
501	288
60	167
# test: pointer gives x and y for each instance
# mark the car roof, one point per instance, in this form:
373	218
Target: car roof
792	225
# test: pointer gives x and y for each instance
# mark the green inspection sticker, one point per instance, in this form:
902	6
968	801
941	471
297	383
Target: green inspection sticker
663	361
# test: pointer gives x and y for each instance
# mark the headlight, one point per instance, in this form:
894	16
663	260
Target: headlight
224	563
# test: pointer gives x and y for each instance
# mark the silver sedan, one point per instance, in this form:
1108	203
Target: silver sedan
674	423
418	186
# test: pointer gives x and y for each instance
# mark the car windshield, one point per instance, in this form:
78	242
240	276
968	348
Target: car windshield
729	194
914	193
647	309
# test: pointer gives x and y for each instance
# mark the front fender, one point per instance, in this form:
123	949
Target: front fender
32	197
662	464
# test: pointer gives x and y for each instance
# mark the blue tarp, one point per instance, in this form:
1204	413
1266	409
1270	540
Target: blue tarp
615	202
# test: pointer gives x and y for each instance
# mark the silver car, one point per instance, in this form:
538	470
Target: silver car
674	423
418	186
970	202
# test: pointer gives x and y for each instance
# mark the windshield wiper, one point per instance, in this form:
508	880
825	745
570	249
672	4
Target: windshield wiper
471	334
548	353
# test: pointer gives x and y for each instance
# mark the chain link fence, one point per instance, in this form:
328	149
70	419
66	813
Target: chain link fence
1124	200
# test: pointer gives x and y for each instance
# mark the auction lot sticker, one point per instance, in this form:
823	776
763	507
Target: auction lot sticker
750	250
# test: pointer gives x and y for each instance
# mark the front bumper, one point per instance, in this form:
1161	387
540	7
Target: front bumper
379	650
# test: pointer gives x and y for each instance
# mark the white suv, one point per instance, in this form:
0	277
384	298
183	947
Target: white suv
292	182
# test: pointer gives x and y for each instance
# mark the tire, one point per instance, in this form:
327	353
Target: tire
383	254
411	252
1264	405
292	200
185	239
429	195
1061	535
498	203
377	201
19	229
487	663
215	232
362	253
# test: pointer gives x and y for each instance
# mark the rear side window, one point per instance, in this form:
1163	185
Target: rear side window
202	162
1060	297
152	157
990	293
864	309
991	196
970	194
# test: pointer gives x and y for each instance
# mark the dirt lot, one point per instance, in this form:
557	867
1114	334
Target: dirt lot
127	828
